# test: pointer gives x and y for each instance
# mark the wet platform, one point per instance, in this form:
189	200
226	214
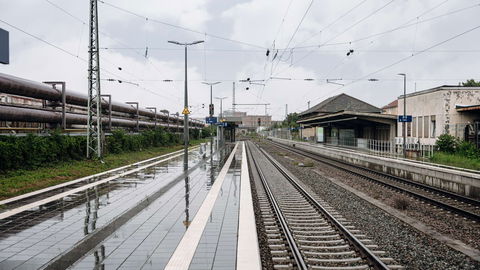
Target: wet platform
137	221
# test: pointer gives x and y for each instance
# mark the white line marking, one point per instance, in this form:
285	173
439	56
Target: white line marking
75	190
33	193
248	252
185	250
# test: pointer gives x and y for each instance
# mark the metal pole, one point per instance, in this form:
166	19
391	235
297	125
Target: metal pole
233	99
109	111
185	119
404	115
211	101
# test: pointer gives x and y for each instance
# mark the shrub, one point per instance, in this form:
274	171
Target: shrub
468	149
446	143
33	151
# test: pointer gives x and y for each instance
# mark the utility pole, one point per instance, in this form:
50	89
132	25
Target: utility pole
286	111
308	103
221	117
185	112
233	99
210	112
94	132
404	114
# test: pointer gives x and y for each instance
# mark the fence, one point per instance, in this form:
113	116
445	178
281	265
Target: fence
392	148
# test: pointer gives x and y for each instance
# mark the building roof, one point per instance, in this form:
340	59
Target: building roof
349	115
392	104
442	88
464	108
341	102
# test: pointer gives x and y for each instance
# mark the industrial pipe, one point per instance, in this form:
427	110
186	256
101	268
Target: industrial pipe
18	86
22	114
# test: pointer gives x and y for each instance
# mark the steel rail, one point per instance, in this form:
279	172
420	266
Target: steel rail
445	206
372	259
297	255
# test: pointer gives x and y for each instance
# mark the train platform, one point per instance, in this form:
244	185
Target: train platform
155	217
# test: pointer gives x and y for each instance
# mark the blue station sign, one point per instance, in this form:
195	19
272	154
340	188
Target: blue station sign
211	120
405	118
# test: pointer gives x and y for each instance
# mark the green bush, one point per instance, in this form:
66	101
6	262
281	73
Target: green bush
468	149
33	151
447	143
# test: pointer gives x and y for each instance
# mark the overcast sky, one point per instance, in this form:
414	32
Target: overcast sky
306	40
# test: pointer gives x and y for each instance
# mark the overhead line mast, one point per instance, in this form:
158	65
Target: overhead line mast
94	122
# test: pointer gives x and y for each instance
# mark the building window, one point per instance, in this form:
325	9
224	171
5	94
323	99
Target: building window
433	126
426	120
409	129
420	127
414	127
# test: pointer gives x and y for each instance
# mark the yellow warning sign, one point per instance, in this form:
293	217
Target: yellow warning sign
185	111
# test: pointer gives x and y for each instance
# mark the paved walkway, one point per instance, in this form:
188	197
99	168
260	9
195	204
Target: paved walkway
142	220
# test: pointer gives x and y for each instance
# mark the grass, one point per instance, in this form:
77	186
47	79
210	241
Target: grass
14	183
455	160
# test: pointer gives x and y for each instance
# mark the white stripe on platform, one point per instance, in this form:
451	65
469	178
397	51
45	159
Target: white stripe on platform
185	250
75	190
248	252
69	183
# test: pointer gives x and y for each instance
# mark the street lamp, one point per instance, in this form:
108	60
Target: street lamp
185	109
404	112
211	101
221	116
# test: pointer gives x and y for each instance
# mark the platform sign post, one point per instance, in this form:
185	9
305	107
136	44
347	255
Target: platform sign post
4	47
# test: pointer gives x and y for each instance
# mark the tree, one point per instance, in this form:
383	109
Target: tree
471	83
291	120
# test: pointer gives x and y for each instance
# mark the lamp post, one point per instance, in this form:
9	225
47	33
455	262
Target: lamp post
404	112
185	109
221	117
211	101
211	111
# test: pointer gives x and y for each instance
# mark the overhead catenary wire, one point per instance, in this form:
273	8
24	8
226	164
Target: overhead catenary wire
402	60
77	57
178	26
294	33
339	34
360	50
137	50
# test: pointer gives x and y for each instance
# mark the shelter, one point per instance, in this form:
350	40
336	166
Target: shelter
345	120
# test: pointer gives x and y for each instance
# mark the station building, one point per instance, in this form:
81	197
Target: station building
453	110
343	119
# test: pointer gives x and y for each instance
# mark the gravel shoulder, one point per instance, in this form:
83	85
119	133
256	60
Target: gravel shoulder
406	245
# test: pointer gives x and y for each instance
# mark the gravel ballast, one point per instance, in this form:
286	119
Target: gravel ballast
405	244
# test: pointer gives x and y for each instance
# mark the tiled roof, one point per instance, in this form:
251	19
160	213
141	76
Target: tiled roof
342	102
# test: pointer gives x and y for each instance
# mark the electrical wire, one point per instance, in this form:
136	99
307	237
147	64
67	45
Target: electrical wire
333	22
136	50
294	33
177	26
403	60
339	34
78	57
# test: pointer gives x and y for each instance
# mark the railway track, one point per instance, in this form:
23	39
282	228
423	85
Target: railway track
460	205
303	231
